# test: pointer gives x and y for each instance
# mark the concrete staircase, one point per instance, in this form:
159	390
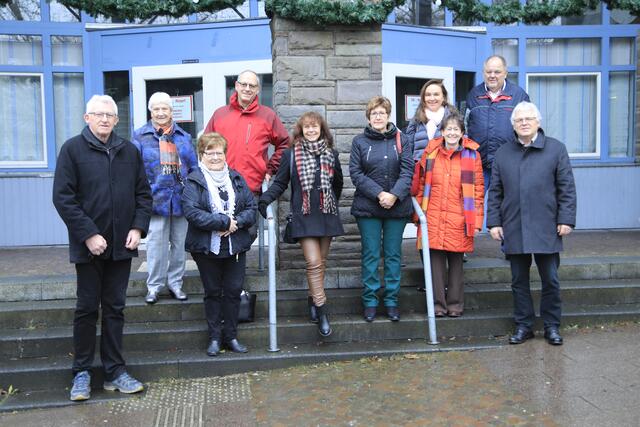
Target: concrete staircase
168	339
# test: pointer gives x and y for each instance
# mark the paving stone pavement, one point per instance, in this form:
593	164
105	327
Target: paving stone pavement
592	380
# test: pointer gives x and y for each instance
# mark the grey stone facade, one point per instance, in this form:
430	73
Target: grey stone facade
333	70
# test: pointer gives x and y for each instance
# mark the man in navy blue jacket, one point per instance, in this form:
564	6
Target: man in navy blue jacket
488	113
101	192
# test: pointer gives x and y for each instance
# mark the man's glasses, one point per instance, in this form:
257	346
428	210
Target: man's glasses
524	120
247	85
103	115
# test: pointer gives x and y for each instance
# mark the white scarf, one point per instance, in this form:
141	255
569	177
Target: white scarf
435	118
217	180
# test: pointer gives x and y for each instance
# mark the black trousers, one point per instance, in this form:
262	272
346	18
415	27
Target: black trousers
101	283
550	302
222	279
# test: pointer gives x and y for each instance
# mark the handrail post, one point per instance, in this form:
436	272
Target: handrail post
260	243
272	242
426	268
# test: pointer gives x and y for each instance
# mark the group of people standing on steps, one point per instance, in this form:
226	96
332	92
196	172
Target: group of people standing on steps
111	193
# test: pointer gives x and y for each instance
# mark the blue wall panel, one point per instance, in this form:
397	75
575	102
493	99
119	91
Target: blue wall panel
447	48
171	45
27	215
608	196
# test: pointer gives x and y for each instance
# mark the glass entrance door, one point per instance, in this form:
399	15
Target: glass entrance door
186	95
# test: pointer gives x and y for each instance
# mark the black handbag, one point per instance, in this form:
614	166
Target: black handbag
247	307
287	234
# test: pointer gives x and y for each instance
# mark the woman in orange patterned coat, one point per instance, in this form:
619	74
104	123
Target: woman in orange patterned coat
450	189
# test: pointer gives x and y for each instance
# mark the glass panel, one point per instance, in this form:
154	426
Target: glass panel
624	17
20	10
550	52
569	107
622	51
190	116
420	12
590	17
621	117
66	50
513	78
266	88
22	137
507	48
68	100
17	49
240	12
61	13
116	85
262	13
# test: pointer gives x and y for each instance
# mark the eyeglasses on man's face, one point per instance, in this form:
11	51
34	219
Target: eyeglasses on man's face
245	85
108	116
523	120
214	154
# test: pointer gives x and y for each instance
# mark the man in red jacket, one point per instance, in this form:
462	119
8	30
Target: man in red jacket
249	128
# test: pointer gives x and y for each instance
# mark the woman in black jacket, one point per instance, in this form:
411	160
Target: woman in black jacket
220	208
381	167
313	167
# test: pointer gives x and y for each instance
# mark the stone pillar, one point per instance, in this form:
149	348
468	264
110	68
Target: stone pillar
333	70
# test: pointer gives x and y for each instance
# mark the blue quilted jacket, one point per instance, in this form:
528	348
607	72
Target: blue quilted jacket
165	189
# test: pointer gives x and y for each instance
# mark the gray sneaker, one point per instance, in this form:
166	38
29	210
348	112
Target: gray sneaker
81	389
125	383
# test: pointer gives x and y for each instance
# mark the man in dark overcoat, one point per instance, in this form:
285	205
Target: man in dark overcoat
531	206
102	194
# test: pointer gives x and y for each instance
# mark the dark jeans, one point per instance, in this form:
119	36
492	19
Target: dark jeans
101	282
222	279
550	303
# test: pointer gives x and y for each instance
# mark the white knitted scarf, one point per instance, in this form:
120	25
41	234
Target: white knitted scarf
435	118
217	180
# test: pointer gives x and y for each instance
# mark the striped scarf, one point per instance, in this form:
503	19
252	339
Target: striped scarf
305	155
467	178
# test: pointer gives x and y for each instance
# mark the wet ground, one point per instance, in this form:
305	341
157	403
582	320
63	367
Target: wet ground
592	380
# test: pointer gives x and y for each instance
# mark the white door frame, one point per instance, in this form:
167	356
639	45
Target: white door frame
213	82
392	70
389	73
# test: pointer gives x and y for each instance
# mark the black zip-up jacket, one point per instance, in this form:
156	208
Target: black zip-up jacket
376	165
101	189
202	222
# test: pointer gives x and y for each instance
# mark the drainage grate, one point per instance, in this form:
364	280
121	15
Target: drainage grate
180	401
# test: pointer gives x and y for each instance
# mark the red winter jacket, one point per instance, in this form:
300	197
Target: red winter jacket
249	132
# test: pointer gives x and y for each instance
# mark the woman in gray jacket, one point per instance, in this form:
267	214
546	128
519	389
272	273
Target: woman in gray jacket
381	167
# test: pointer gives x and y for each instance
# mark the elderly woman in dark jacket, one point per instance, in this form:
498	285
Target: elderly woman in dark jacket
381	167
313	167
427	122
220	208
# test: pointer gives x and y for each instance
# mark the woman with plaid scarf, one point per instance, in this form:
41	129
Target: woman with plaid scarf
313	168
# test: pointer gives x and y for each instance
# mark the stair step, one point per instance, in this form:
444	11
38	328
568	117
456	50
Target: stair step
192	334
47	379
32	315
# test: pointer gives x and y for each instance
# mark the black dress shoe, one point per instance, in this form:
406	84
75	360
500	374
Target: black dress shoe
235	346
369	314
214	348
552	336
520	336
393	314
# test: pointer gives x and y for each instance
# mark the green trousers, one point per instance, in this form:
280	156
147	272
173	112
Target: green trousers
374	233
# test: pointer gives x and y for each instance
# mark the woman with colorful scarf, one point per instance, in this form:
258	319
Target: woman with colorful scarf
449	186
220	209
427	122
313	168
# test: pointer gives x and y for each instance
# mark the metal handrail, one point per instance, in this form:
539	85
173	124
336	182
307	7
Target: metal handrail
272	242
426	264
